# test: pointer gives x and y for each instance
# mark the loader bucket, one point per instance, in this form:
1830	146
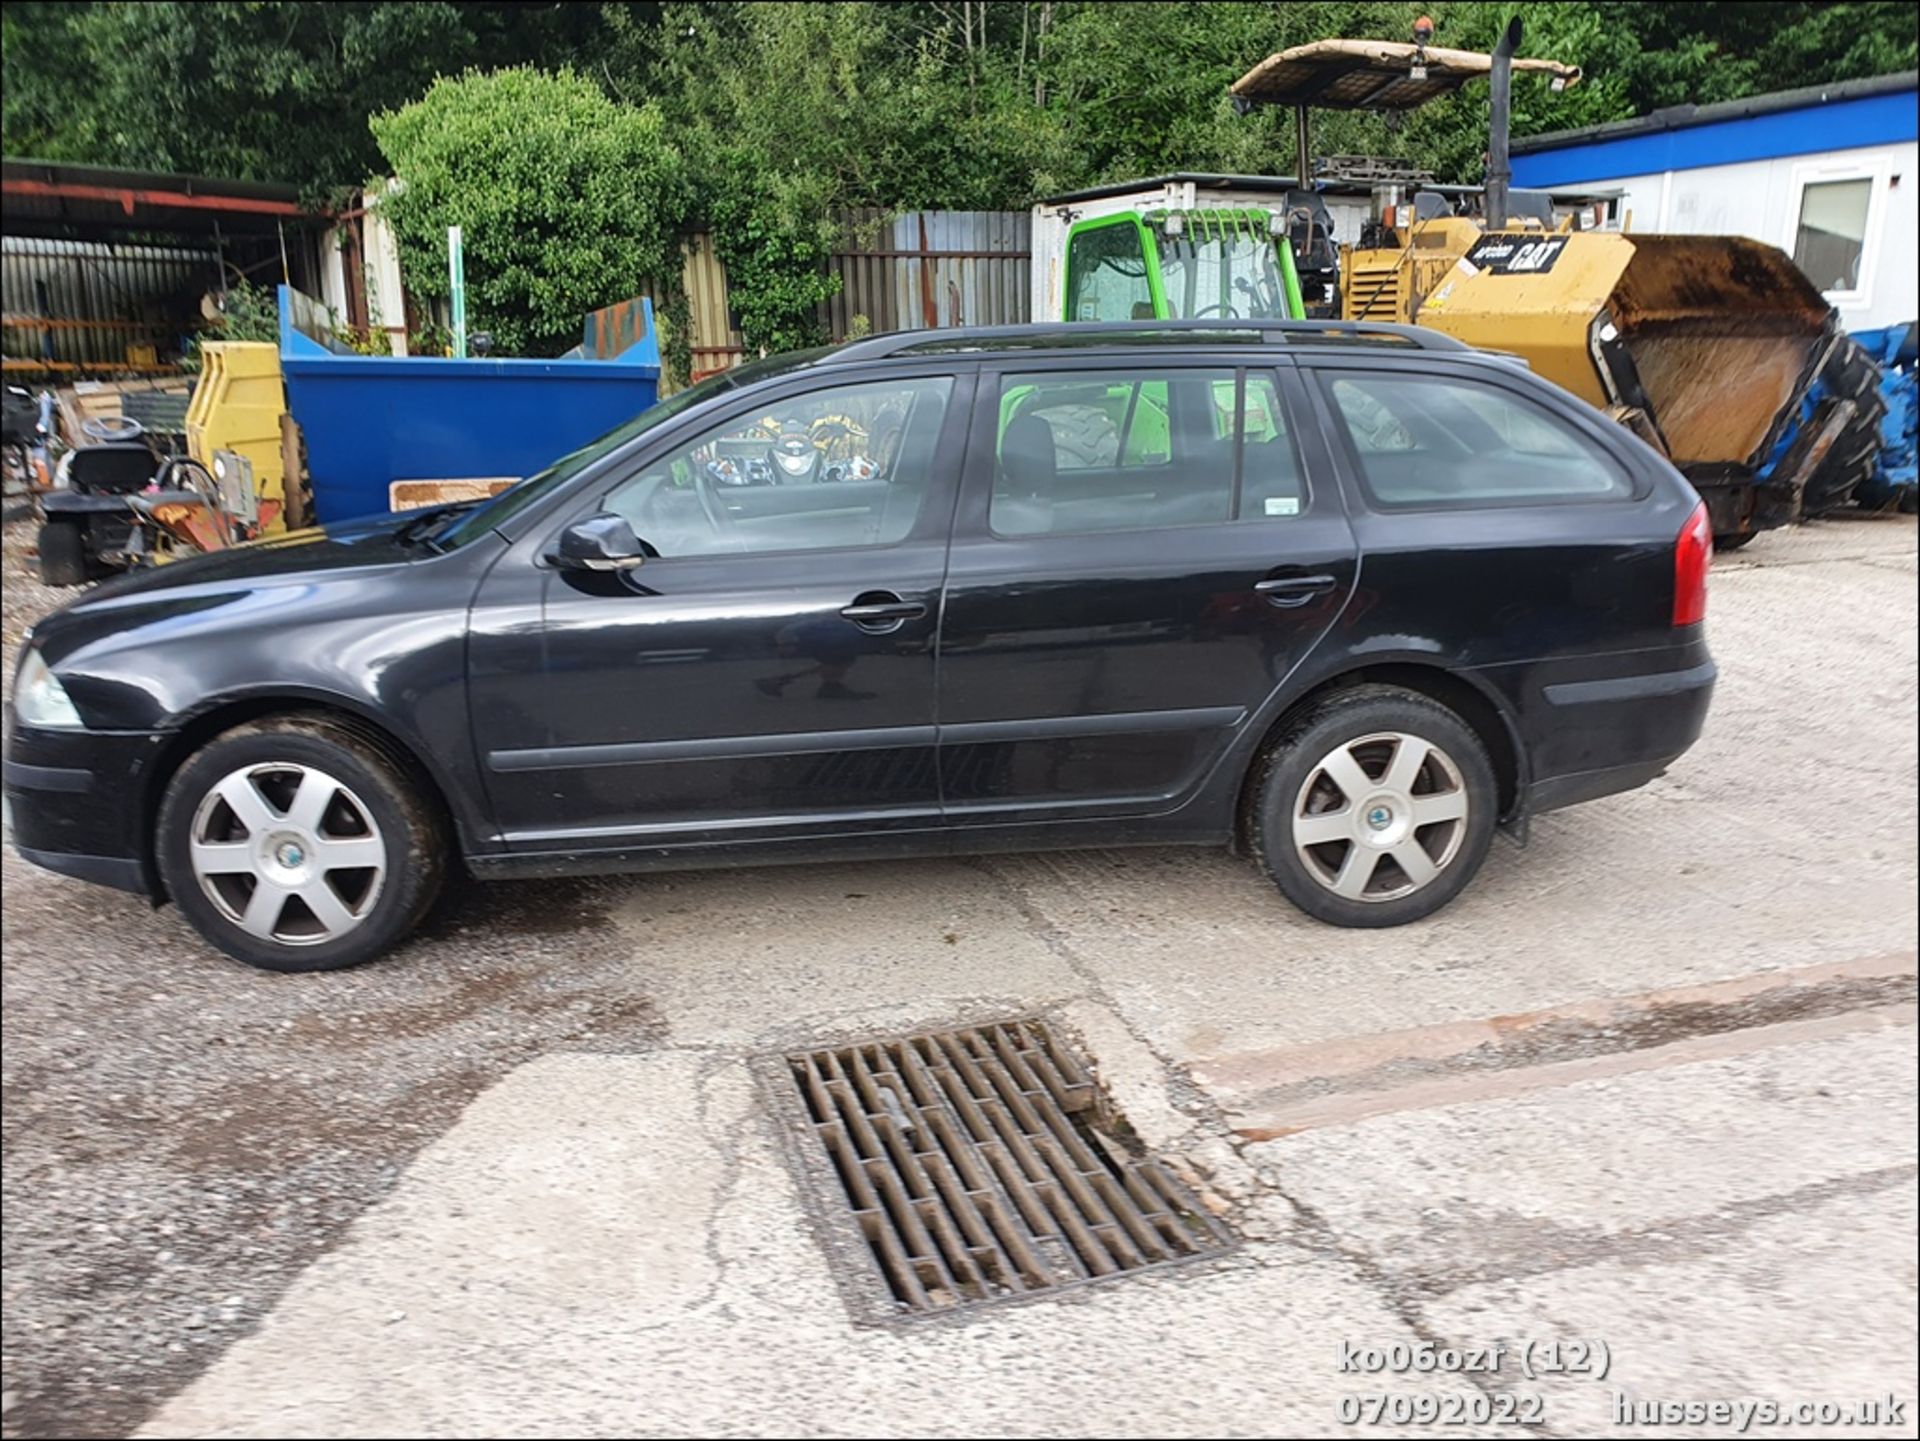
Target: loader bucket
1713	337
1720	335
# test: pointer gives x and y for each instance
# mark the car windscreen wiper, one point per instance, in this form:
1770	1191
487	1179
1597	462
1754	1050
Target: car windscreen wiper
425	528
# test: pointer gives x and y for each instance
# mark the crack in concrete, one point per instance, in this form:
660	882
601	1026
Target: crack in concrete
1318	1235
1536	1246
1183	1093
732	1169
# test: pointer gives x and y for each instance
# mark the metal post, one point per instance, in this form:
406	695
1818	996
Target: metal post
1305	180
457	280
45	307
1499	169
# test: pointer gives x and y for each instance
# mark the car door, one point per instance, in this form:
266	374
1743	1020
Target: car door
771	673
1142	553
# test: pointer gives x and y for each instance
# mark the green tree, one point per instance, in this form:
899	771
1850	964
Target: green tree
276	90
273	91
567	200
45	110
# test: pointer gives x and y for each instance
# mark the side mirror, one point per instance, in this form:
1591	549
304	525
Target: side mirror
600	542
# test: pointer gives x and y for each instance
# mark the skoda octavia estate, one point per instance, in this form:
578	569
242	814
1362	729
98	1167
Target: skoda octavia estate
1348	598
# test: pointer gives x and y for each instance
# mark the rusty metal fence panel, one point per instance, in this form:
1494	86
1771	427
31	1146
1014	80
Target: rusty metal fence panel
931	269
89	305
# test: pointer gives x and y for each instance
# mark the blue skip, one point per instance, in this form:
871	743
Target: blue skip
375	424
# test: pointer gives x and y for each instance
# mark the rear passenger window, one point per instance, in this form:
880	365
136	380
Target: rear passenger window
1424	441
1093	451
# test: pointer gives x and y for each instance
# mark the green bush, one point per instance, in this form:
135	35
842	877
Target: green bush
567	200
776	263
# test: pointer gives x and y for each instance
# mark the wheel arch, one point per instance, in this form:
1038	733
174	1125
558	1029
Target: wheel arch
204	724
1472	700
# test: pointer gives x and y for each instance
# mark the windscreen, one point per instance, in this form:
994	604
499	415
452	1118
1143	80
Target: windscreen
1220	266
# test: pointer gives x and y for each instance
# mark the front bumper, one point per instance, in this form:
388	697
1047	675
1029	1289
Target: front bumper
77	802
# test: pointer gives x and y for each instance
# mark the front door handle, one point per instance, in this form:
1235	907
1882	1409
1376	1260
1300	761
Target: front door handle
881	611
1288	591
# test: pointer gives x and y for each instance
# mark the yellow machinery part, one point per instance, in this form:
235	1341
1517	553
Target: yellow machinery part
1389	284
1544	316
237	406
1721	333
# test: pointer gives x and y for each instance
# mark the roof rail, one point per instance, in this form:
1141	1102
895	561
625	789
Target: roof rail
1125	333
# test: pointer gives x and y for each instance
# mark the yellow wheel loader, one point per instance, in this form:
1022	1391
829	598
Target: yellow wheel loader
1706	346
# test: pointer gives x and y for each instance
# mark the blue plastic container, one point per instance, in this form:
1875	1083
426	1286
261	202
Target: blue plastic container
370	421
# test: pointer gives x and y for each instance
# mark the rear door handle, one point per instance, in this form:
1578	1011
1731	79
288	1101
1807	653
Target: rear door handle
882	611
1294	590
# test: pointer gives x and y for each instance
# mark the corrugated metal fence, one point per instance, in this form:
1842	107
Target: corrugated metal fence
92	305
922	270
931	268
79	303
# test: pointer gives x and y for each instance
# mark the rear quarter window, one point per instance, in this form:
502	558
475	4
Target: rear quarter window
1426	442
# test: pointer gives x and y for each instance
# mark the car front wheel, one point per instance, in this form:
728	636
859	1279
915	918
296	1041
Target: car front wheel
298	844
1376	808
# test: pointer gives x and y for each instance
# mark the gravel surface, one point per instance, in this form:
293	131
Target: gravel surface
183	1134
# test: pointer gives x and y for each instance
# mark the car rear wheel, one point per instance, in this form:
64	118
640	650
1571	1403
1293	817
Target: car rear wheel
1375	808
298	844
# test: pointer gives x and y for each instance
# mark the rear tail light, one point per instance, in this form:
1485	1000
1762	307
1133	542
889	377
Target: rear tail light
1692	556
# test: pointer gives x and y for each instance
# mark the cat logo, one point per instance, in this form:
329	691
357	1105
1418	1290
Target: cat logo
1517	255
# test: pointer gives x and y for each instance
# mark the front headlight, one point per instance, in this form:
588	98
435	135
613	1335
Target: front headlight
40	700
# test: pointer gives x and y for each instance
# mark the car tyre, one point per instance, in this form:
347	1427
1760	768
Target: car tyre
297	843
1374	807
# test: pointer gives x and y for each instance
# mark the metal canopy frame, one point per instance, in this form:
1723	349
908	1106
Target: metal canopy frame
1393	75
1373	75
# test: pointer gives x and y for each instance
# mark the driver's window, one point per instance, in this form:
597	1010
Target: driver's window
829	469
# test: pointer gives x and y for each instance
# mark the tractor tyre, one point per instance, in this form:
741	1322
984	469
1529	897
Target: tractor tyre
1851	374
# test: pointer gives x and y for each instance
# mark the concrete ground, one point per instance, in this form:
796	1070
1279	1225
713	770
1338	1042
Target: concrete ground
1632	1123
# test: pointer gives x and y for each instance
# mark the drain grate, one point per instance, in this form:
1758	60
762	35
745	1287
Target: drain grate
983	1163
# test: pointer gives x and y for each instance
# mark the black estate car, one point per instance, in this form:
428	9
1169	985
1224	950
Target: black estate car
1345	596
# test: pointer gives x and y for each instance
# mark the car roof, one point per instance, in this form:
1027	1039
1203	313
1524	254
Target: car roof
1138	335
1069	337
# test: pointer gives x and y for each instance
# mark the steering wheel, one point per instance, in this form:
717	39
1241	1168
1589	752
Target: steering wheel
109	428
1229	311
711	505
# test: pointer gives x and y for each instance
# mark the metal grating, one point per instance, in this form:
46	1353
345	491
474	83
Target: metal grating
984	1164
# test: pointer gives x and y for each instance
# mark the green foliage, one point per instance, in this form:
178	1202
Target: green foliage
763	119
673	324
249	312
254	91
947	103
776	271
567	200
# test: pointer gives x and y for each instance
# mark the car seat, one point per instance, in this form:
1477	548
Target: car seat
1029	465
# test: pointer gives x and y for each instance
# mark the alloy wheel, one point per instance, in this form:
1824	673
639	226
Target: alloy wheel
287	853
1380	817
